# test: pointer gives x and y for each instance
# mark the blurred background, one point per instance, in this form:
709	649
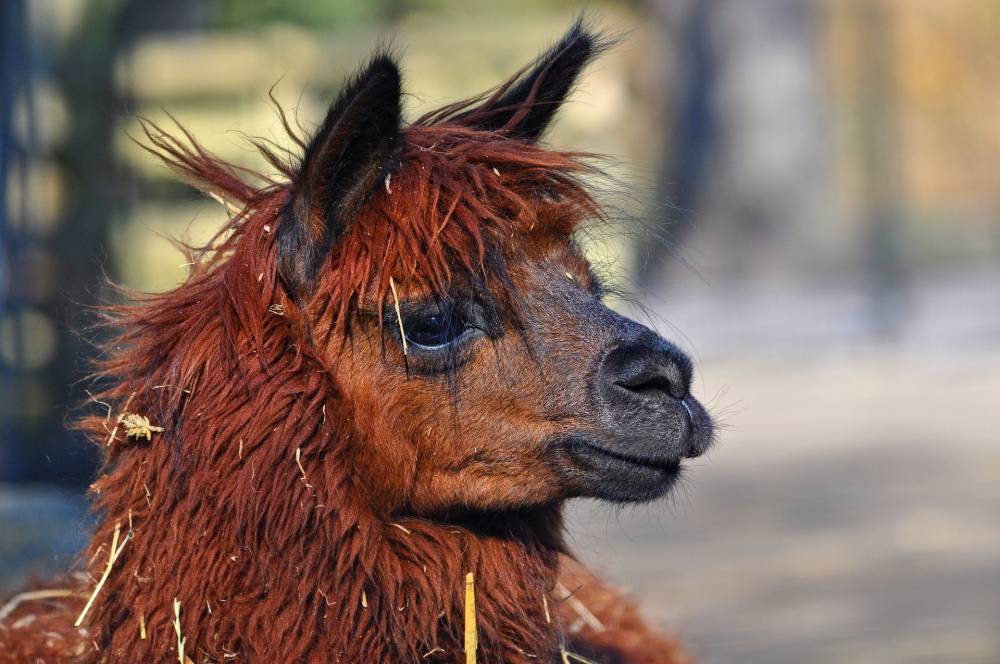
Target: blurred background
810	205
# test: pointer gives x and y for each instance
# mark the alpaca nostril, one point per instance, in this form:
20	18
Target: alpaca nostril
648	371
669	382
667	379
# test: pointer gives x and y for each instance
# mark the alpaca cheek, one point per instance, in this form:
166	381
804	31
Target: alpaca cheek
386	484
384	465
486	488
383	458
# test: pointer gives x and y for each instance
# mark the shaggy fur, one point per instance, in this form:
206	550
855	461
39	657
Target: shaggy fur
262	506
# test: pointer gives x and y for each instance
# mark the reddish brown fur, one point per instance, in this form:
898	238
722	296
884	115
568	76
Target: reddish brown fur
341	564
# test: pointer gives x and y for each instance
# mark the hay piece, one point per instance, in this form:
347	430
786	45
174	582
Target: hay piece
32	595
177	628
138	426
24	621
567	656
399	316
101	403
112	557
298	462
228	205
113	431
586	616
471	643
142	626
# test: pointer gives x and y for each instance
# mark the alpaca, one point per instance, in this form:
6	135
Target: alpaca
372	397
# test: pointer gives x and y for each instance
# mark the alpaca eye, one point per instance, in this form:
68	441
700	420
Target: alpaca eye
433	330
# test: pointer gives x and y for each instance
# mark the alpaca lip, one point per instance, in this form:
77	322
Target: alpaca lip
671	465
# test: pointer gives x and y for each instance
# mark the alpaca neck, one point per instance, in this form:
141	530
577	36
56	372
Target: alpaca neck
513	559
280	565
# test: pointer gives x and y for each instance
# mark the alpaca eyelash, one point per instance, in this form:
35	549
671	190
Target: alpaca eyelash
470	312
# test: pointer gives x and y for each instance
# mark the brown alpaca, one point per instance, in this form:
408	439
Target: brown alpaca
391	369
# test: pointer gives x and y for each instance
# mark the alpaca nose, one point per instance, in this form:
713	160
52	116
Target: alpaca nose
647	371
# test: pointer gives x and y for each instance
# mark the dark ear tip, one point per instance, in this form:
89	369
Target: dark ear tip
580	33
577	48
586	41
382	70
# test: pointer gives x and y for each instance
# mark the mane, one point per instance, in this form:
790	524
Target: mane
250	419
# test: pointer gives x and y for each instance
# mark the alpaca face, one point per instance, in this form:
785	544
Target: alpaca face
476	365
489	410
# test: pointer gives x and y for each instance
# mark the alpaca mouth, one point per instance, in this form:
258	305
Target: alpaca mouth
600	472
666	465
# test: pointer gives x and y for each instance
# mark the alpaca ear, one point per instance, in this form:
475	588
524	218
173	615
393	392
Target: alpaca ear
341	167
524	106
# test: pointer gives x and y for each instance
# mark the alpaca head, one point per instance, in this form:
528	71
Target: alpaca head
433	267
